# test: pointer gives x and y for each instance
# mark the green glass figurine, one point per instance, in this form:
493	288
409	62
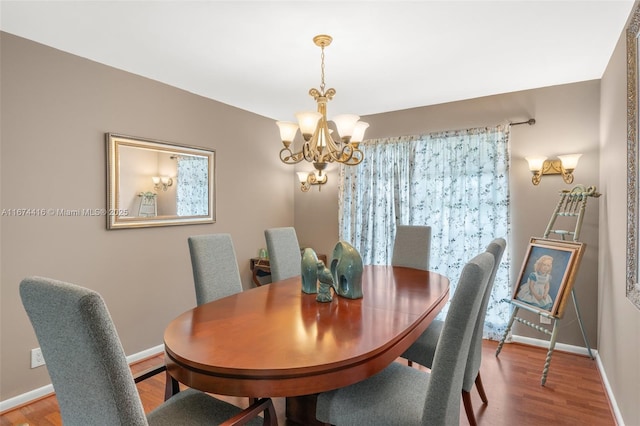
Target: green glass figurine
346	269
326	282
309	270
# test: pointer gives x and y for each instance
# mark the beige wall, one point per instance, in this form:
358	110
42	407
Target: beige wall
567	122
56	108
618	318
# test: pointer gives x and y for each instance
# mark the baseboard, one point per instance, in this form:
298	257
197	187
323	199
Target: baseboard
147	353
47	390
607	387
580	351
25	398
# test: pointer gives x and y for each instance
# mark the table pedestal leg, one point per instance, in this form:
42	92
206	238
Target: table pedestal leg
302	410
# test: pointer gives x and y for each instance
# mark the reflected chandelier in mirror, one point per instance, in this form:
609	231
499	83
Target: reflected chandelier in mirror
154	183
633	30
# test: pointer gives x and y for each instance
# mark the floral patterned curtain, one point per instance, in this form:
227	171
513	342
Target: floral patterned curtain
192	194
456	182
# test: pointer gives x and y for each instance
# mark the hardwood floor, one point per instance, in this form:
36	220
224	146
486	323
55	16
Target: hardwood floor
573	395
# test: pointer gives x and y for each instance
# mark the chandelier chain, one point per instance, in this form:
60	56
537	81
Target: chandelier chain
322	70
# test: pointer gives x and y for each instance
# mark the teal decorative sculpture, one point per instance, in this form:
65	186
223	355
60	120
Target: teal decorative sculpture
326	282
346	269
309	271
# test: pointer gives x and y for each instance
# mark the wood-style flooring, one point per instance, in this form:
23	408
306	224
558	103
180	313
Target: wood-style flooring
573	394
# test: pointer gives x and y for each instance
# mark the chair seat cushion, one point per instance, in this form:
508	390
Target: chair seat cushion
423	349
367	402
191	407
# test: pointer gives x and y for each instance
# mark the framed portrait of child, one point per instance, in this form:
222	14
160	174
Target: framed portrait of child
547	275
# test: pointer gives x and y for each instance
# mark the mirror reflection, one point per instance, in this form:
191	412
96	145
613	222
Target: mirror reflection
156	183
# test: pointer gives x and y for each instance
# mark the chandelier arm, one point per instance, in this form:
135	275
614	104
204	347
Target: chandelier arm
309	150
346	153
312	179
288	157
356	158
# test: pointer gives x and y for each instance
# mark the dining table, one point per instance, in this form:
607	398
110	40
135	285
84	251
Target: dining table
276	341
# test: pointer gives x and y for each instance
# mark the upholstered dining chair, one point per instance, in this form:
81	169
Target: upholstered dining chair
423	350
402	395
284	252
412	246
89	371
215	268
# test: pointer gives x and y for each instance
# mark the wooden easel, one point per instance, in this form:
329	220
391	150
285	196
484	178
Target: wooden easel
148	204
572	205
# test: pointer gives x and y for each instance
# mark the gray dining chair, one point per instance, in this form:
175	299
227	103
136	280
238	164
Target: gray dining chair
412	246
89	370
423	349
215	268
284	252
402	395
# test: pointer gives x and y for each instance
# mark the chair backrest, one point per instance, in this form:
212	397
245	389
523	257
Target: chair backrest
284	253
496	248
83	353
215	268
412	246
442	404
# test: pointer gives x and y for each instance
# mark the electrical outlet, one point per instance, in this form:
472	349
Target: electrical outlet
36	358
544	320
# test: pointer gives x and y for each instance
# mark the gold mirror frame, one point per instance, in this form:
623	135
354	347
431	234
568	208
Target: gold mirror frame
633	31
124	152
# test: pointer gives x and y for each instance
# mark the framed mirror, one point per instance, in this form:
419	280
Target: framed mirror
154	183
633	30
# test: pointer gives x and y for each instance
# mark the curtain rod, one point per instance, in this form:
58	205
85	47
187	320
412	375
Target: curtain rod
530	122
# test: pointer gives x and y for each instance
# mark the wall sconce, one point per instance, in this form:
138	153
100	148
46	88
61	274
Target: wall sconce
311	178
161	182
564	166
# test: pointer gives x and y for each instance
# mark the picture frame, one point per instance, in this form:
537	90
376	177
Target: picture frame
547	276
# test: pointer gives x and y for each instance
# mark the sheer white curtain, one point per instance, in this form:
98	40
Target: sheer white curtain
192	193
456	182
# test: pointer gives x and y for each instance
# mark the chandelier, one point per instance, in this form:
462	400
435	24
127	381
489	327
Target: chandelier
319	146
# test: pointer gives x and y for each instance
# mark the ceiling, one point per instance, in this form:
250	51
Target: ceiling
385	56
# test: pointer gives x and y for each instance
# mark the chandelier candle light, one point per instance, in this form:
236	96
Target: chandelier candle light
319	147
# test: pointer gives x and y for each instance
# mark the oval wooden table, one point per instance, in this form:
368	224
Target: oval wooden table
275	341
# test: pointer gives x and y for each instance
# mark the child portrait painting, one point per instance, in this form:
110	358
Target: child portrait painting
547	275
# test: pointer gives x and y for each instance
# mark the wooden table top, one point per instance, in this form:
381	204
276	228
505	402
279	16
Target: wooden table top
276	341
